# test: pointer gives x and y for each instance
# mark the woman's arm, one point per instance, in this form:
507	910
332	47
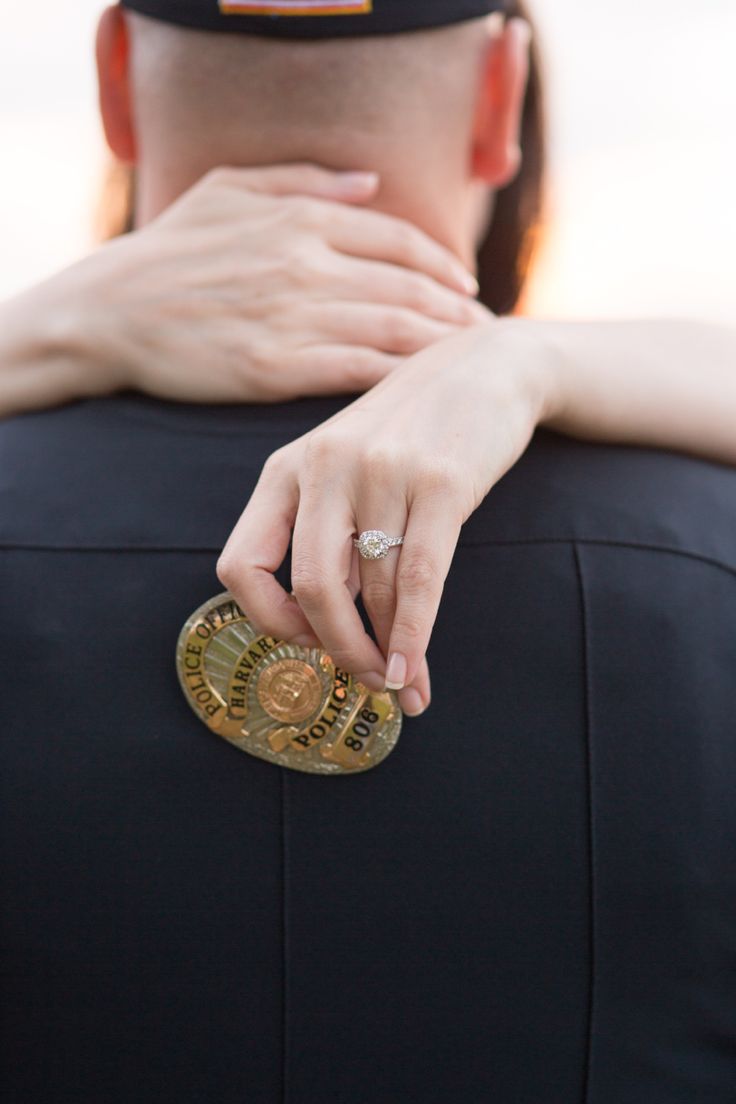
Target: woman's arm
669	384
258	285
48	351
418	453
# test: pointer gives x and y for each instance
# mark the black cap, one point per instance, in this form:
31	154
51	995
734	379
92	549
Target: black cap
315	18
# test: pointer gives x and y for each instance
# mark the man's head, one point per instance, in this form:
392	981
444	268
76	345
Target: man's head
436	112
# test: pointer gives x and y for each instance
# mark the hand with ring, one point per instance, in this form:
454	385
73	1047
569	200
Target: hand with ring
410	459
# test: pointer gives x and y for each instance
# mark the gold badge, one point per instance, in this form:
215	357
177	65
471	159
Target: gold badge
289	705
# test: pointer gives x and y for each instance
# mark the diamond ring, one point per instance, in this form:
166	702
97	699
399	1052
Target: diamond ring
373	544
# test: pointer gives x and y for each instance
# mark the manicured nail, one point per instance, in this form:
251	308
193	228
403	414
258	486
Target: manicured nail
306	640
464	280
411	702
470	284
396	671
357	181
371	679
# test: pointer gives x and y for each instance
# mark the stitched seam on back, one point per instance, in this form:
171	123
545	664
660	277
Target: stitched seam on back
592	918
285	941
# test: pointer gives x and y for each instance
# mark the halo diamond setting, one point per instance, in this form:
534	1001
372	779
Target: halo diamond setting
373	544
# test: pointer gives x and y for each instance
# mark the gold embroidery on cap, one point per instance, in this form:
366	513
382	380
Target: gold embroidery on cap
295	7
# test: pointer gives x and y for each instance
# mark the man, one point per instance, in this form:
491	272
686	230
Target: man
531	899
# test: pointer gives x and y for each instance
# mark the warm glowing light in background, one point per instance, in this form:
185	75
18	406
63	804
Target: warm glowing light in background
643	97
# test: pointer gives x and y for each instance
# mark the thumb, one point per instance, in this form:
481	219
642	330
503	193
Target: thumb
307	179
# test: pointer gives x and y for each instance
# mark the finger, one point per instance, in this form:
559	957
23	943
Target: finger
374	235
378	577
378	282
256	548
415	699
354	578
379	508
388	329
301	178
320	571
339	369
426	555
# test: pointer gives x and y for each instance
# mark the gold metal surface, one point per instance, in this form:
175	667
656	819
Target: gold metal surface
289	690
280	702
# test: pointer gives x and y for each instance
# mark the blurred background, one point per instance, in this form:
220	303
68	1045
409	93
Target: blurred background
643	174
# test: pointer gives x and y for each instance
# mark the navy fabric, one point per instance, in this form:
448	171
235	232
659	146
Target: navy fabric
385	17
532	900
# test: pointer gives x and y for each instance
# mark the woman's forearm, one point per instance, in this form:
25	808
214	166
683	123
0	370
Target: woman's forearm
48	353
668	384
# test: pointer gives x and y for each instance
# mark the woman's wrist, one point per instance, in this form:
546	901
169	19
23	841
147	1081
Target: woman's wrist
53	344
39	364
534	361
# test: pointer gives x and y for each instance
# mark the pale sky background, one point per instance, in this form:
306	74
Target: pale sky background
643	102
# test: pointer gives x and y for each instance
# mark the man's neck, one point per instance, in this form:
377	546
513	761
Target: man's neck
448	210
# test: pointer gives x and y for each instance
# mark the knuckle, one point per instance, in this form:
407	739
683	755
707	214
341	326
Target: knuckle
419	294
309	584
222	176
320	451
408	628
440	479
346	659
310	174
378	596
277	617
360	370
227	568
401	331
417	573
323	463
408	240
304	262
380	464
277	462
304	210
261	354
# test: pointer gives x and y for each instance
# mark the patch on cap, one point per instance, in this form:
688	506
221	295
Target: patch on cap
295	7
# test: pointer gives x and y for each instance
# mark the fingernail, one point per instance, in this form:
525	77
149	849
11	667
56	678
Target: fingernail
357	181
411	702
396	671
523	29
470	283
371	679
465	281
305	640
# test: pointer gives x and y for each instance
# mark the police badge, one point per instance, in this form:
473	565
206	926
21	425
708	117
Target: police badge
289	705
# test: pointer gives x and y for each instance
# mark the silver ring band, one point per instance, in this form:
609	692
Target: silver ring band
373	544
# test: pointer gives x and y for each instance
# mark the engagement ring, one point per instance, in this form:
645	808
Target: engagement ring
373	544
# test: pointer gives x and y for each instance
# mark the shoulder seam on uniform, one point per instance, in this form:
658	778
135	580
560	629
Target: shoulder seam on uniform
641	546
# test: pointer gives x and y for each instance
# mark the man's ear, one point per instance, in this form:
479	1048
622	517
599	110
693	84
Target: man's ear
113	75
496	156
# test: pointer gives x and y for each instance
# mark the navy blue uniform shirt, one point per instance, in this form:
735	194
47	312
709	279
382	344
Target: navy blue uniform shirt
531	901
